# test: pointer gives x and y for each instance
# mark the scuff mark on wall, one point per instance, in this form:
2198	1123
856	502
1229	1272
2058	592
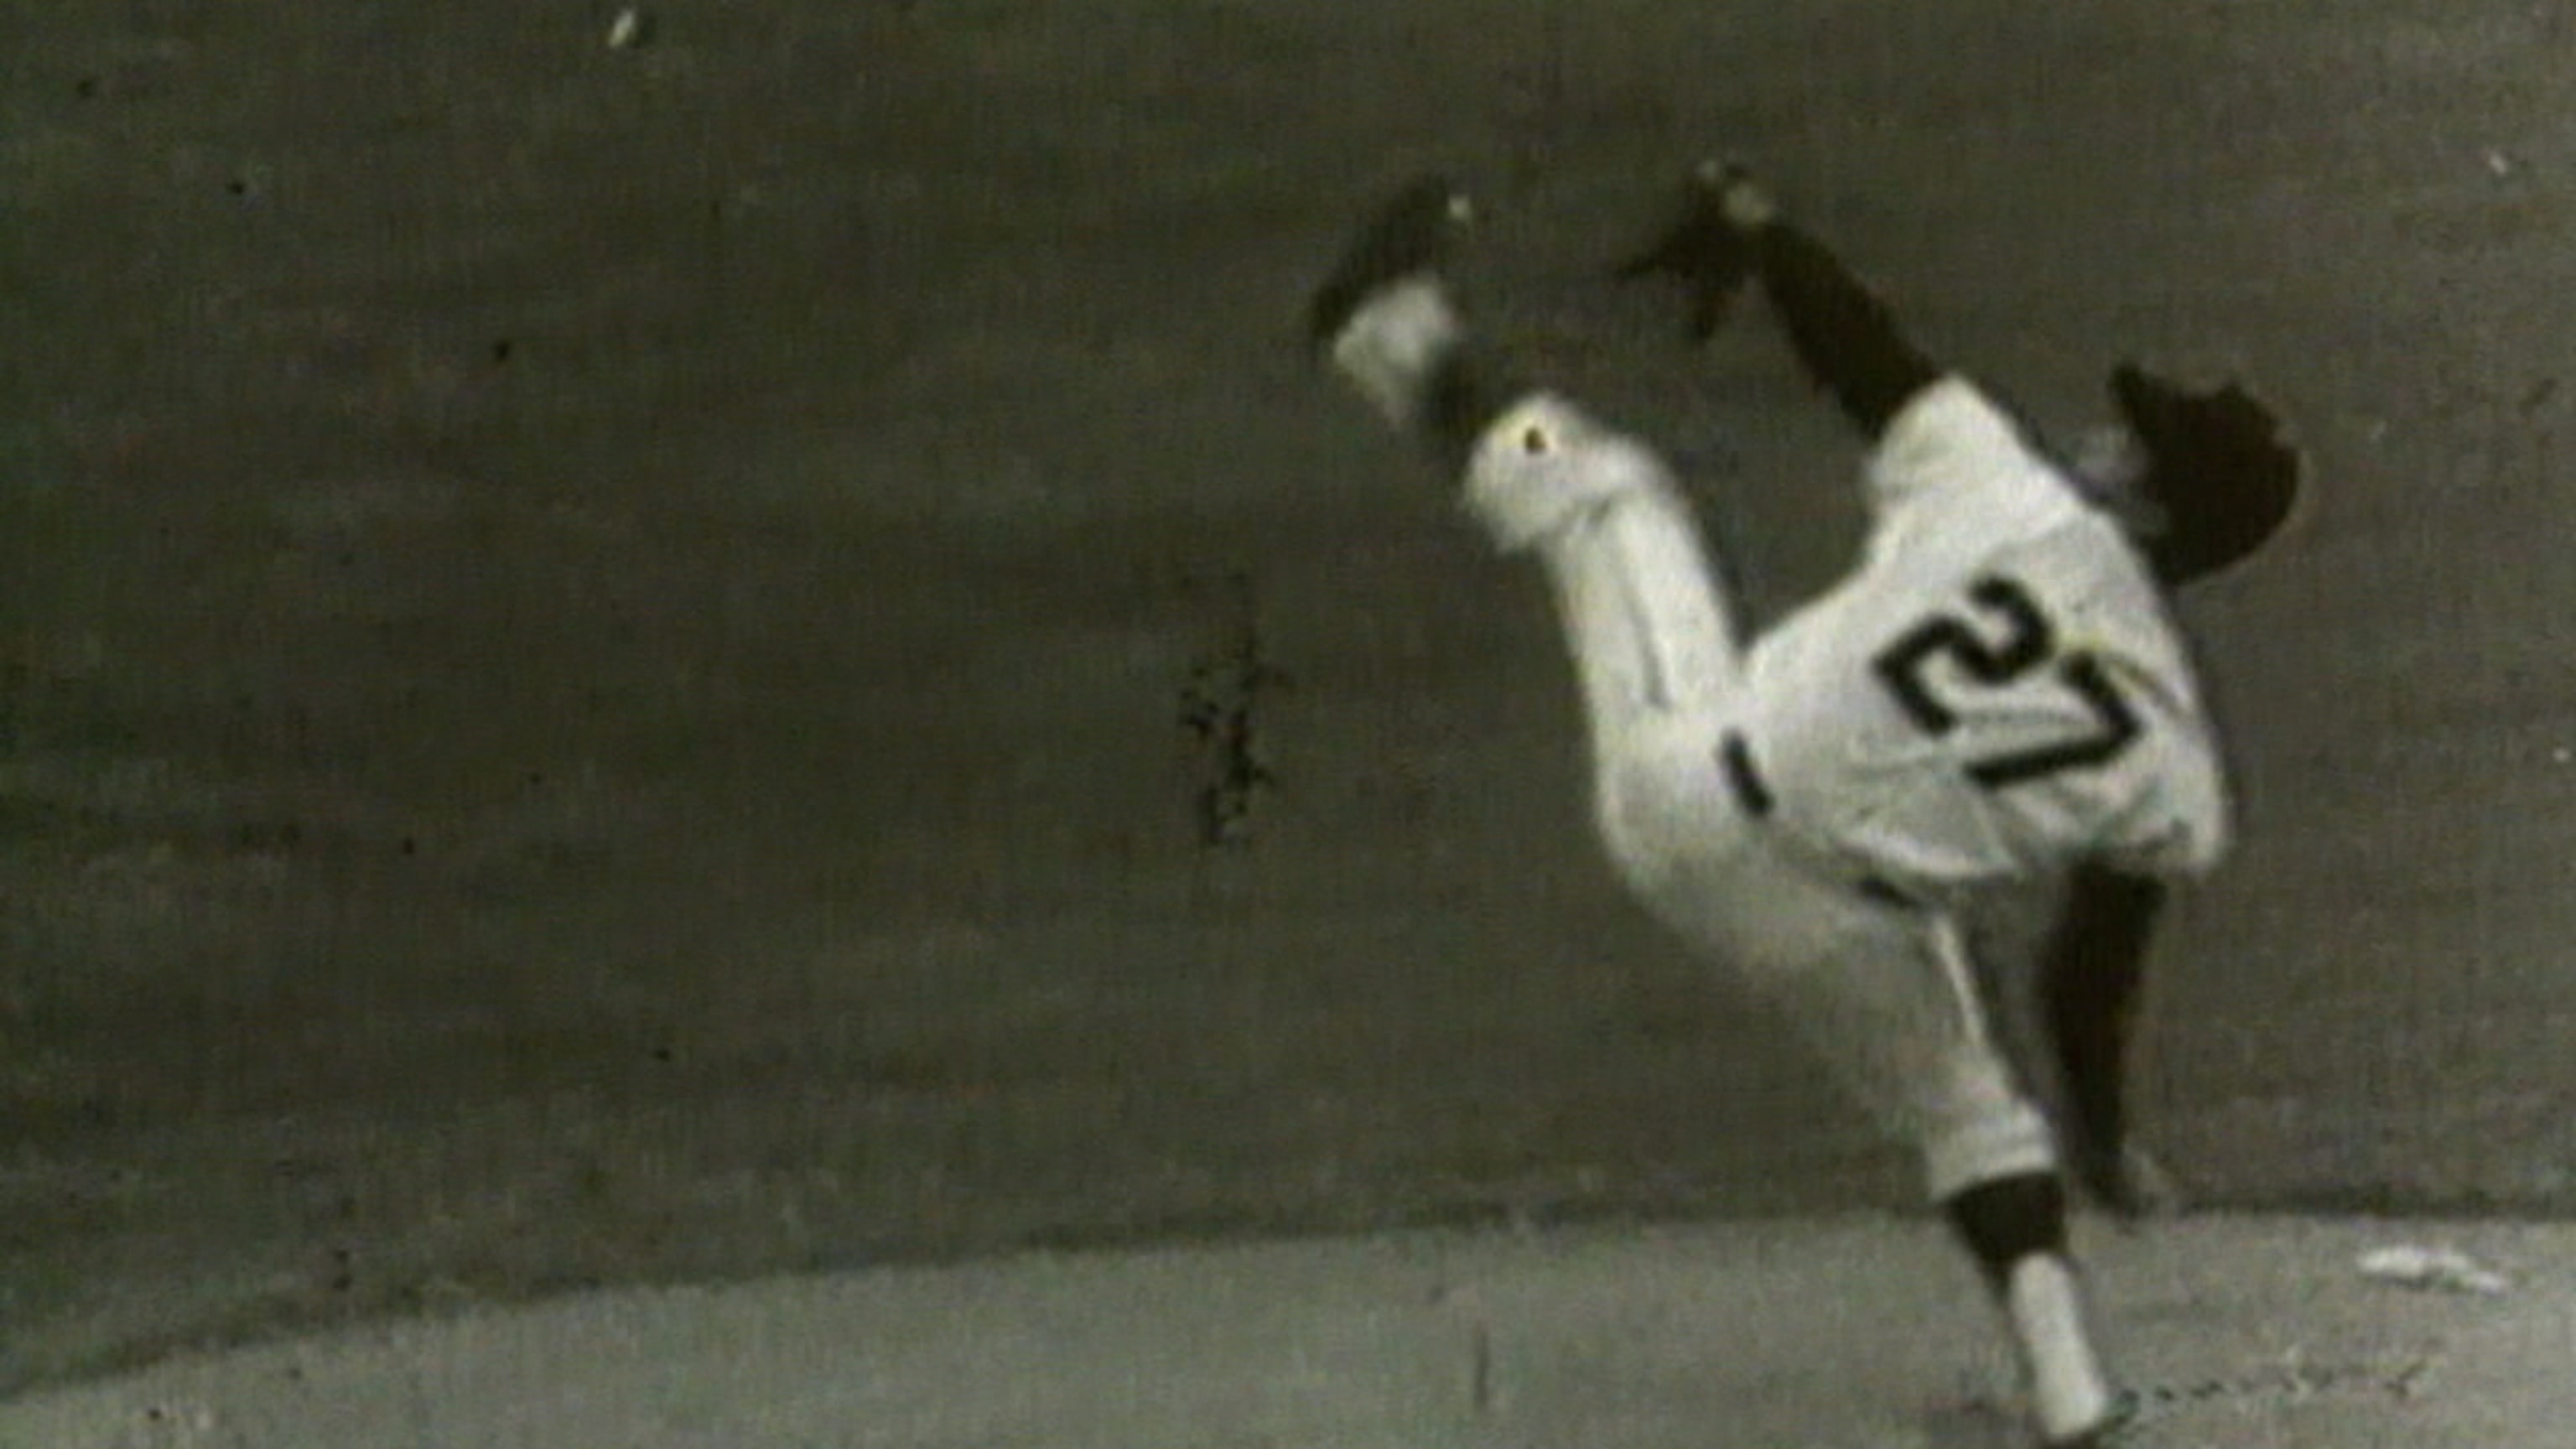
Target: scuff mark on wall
1222	709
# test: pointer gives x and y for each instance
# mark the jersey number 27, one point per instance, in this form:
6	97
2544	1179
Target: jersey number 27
2019	643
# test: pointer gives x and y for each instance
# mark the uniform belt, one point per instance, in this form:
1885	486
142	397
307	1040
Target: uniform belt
1753	795
1744	778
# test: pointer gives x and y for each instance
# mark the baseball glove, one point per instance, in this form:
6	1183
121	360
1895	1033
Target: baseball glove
1709	245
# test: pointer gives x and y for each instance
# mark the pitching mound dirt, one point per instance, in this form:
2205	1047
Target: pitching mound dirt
2234	1331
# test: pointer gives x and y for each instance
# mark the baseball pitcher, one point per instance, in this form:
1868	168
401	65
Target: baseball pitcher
1995	698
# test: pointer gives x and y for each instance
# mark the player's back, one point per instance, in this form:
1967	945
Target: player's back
1971	707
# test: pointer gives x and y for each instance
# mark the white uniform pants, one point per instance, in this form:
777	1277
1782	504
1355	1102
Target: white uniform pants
1882	991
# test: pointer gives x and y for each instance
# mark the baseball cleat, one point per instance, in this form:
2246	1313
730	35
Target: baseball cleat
1709	244
1415	233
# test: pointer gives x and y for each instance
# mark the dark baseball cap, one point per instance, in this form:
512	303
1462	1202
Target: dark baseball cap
2221	470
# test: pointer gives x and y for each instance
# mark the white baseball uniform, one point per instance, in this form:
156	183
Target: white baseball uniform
1994	692
1997	688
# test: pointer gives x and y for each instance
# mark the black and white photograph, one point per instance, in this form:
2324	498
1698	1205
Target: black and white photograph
1231	724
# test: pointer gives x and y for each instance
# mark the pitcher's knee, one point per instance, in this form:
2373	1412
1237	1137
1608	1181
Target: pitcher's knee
2010	1138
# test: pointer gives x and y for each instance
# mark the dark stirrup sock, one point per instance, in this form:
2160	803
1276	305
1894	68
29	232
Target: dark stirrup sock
2009	1219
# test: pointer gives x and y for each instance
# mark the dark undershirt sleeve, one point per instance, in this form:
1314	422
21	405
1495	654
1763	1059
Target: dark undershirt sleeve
1843	334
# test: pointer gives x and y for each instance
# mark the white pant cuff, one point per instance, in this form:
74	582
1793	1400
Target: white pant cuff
1391	345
